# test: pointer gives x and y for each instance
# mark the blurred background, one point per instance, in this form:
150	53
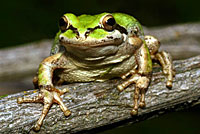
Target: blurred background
25	21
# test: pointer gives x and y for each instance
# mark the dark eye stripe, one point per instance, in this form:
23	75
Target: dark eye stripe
89	30
118	27
121	29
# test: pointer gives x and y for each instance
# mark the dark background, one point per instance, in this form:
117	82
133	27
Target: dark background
23	21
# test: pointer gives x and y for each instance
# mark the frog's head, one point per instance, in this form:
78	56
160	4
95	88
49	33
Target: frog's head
98	31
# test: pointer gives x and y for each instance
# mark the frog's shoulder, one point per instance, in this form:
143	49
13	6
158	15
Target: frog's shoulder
124	19
129	22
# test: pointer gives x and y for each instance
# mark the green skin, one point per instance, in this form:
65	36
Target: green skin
88	48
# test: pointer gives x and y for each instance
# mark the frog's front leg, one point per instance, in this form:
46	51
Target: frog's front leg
140	75
164	58
48	93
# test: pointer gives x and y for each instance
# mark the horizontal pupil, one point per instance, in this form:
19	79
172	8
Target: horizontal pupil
110	21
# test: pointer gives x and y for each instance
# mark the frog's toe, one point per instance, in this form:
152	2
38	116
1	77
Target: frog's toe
36	127
120	88
142	104
20	100
65	90
169	84
67	112
37	98
128	82
59	101
134	112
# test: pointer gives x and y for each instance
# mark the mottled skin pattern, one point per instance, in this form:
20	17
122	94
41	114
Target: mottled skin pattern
98	48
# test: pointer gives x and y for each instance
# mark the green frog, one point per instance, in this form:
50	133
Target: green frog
97	48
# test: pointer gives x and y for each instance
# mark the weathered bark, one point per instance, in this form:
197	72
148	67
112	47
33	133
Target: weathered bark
98	104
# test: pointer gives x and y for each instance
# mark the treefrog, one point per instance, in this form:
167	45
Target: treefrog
97	48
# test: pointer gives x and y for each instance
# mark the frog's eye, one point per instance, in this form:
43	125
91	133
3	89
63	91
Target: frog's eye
63	23
108	22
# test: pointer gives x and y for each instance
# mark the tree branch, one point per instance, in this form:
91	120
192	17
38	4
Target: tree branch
98	104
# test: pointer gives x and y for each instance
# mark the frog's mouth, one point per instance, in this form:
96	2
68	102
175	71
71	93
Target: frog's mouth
90	43
91	49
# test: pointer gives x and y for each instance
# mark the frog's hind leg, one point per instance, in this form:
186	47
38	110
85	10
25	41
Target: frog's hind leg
142	83
164	58
47	98
166	61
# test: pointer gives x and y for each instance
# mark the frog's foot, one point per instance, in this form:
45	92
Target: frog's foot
162	57
142	83
47	97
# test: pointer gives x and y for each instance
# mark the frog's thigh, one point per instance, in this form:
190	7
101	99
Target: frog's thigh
166	61
153	45
164	58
